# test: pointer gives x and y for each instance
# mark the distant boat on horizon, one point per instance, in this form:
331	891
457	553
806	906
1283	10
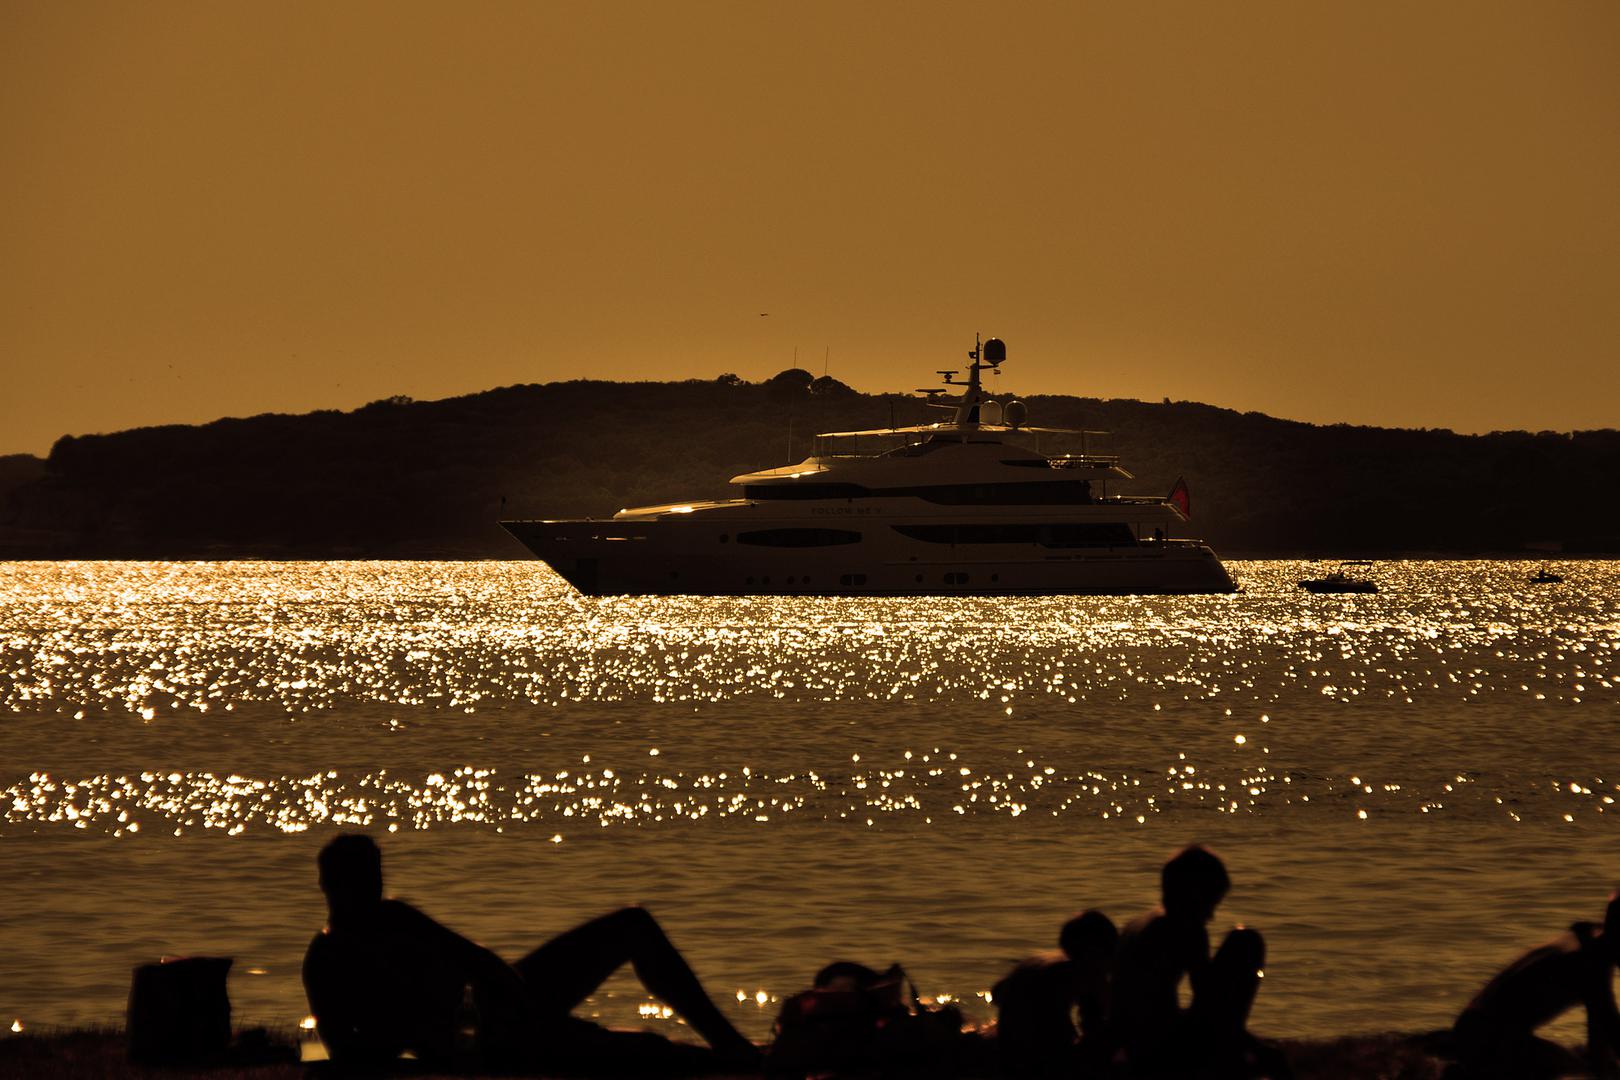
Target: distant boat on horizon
1340	582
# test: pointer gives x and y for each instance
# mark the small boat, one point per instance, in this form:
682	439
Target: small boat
1546	577
1339	582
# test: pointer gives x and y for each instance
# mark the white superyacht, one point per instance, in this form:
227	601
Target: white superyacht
970	506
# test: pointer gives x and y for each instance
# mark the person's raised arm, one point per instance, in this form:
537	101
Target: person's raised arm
1190	943
1596	972
1602	1021
482	967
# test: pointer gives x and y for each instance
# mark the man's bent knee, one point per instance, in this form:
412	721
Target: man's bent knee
634	920
1243	950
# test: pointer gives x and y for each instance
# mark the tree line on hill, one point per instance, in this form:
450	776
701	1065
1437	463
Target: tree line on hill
430	479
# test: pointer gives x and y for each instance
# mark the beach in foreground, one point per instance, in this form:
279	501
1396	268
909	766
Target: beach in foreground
1390	1056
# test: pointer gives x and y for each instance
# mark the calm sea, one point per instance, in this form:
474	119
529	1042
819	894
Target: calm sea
1408	788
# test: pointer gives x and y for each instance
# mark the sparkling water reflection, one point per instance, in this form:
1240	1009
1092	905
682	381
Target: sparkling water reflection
1406	784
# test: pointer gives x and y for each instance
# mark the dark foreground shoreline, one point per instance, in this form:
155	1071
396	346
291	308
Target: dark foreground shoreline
100	1053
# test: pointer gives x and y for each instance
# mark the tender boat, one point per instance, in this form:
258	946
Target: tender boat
1546	577
968	506
1339	582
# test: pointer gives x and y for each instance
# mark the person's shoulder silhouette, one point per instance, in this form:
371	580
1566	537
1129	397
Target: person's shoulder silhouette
382	977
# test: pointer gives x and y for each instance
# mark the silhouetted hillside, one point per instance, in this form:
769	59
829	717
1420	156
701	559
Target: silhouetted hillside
399	478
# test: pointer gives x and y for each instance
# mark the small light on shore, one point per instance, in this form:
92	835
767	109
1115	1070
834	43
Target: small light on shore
16	1027
556	838
742	996
653	752
1239	739
1362	814
761	998
307	1023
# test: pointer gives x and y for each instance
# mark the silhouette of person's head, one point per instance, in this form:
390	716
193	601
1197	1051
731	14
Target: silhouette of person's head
1089	939
1193	883
351	874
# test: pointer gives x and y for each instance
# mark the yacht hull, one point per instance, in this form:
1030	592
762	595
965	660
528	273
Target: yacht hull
613	558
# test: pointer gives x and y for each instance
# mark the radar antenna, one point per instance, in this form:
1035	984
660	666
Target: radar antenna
984	355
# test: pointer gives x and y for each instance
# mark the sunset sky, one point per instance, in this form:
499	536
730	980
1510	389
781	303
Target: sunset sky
1383	213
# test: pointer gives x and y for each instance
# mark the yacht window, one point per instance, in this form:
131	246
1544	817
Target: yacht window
1052	536
804	491
1018	493
799	537
919	449
1021	493
970	534
1072	536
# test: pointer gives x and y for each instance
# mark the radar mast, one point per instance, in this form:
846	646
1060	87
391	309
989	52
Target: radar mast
990	354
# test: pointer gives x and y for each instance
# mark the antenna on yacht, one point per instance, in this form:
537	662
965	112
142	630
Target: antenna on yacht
986	354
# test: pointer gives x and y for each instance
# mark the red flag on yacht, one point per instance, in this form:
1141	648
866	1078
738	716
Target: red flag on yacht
1180	499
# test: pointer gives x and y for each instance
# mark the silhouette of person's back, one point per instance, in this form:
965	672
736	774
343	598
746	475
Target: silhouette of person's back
1036	1003
1158	950
383	978
1495	1035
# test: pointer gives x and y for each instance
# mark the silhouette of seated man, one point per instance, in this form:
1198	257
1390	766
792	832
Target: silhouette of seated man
1495	1035
1158	950
383	978
1036	1003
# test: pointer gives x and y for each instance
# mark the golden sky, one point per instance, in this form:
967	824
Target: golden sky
1375	212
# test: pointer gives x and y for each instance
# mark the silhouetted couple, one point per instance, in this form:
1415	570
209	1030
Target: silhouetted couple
1126	987
383	978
